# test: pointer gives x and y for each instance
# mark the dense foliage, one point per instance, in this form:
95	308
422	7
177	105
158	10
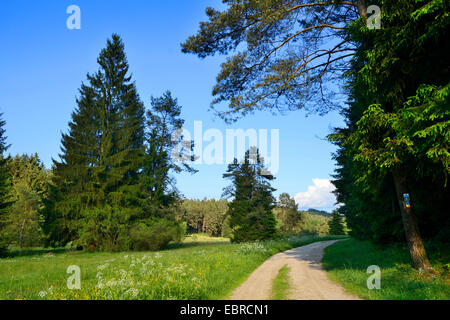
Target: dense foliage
96	192
204	216
397	123
5	187
210	216
336	223
24	218
288	216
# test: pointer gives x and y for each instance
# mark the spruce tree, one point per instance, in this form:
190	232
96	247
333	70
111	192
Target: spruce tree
5	187
96	189
336	225
250	211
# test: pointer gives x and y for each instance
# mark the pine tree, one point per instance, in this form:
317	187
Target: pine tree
5	187
250	211
282	55
164	125
96	191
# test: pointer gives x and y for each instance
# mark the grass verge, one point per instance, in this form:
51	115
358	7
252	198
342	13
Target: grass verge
193	272
347	263
281	284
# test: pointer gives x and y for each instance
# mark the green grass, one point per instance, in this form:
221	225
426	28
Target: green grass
347	262
281	284
201	238
201	271
20	252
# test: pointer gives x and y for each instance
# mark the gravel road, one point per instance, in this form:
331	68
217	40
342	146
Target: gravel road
308	279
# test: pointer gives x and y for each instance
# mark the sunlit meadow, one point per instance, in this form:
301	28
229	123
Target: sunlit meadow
195	270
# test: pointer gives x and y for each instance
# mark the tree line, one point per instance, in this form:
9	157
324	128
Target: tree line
210	216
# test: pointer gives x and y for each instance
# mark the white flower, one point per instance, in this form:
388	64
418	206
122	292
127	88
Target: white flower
133	292
102	267
42	294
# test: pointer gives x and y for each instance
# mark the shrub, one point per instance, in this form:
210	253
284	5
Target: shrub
4	251
226	230
156	236
105	229
336	224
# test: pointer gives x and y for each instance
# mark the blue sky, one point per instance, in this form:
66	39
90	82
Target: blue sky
43	64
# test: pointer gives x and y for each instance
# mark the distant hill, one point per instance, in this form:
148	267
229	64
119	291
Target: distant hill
319	212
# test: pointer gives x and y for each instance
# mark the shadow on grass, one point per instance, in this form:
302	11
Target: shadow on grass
37	251
194	244
361	254
347	262
313	260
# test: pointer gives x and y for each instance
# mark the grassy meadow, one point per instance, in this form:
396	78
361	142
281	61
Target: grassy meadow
347	262
200	268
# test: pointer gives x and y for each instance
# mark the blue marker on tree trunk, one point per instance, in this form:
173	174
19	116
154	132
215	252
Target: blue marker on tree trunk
406	200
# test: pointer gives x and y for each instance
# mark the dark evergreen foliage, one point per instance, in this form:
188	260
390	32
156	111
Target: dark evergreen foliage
398	117
336	224
5	187
250	211
96	191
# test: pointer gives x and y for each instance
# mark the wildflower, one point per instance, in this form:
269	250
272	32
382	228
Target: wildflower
102	267
133	292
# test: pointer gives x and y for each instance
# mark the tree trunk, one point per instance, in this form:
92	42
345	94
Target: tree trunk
415	244
362	8
21	233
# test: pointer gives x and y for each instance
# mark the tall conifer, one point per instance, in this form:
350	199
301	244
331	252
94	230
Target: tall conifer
250	211
96	191
5	186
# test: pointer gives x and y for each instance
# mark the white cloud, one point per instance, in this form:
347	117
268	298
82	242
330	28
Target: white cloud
319	195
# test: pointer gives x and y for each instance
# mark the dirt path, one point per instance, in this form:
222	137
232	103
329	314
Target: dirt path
309	281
